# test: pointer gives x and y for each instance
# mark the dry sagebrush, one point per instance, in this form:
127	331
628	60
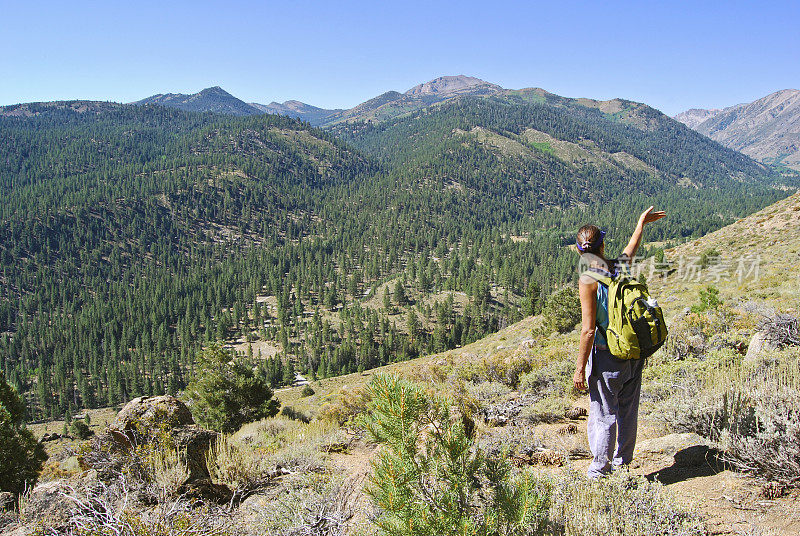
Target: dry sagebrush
753	412
110	510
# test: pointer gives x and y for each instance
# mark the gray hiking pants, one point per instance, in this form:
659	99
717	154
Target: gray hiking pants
614	387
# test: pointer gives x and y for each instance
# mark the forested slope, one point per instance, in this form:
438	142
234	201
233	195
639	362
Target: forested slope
132	236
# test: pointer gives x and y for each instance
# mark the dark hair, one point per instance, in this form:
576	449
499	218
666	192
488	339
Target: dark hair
590	239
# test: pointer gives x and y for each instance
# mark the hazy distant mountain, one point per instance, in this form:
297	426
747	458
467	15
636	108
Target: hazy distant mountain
695	116
446	86
767	129
394	104
212	99
300	110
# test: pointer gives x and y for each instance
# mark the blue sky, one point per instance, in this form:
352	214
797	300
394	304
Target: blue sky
671	55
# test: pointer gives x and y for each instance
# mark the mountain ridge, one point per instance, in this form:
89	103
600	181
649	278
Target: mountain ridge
211	99
767	129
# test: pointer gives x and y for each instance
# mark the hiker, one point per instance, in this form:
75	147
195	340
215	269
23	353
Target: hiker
614	384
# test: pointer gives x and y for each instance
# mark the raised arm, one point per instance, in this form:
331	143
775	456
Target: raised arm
636	238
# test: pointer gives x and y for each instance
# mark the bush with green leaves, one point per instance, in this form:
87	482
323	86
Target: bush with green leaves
429	477
22	456
226	393
708	299
80	429
562	310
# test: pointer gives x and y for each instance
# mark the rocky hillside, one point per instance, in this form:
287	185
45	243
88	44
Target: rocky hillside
693	117
767	129
212	99
393	104
447	86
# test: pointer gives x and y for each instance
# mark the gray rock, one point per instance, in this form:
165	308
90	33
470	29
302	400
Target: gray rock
6	500
759	344
145	420
152	413
670	444
47	505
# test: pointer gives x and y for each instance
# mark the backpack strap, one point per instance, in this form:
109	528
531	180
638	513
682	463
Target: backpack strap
600	277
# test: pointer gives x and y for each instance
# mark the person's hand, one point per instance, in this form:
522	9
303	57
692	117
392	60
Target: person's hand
579	379
650	215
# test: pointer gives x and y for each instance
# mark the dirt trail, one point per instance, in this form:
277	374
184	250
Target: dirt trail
731	503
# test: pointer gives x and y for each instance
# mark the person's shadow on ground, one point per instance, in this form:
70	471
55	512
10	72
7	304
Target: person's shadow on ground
691	462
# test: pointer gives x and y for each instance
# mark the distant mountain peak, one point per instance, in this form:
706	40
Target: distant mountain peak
211	99
451	85
214	90
767	129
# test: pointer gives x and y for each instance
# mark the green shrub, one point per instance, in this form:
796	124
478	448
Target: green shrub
307	391
708	299
562	310
709	257
430	478
553	379
22	456
225	393
295	415
80	429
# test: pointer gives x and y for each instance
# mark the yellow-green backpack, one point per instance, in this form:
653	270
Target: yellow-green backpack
636	326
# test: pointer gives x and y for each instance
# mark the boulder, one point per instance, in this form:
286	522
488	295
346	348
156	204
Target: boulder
194	442
148	420
152	413
48	506
759	344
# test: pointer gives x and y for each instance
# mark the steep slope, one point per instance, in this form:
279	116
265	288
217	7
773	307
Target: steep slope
297	109
754	258
538	150
212	99
767	129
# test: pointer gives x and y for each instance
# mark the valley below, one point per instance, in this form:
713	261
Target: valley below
228	318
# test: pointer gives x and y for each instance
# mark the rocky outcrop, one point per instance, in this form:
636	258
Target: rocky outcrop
158	422
148	413
47	505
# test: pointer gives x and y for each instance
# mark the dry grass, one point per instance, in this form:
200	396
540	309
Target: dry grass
619	504
111	510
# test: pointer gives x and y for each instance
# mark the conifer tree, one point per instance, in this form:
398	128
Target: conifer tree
22	456
429	477
226	393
